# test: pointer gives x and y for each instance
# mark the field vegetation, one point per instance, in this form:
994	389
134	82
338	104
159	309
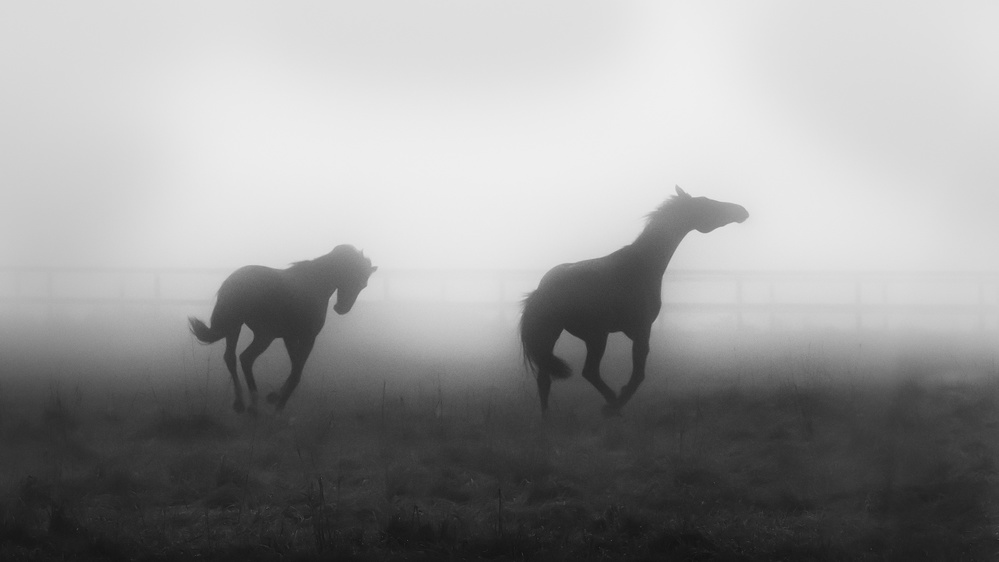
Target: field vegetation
800	454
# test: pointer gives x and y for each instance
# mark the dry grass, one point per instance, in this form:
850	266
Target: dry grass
798	468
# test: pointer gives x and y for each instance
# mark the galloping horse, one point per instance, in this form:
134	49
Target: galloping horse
282	303
620	292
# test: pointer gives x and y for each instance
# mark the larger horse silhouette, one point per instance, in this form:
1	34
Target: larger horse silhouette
620	292
282	303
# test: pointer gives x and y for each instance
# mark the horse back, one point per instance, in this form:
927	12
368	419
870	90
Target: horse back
269	299
605	294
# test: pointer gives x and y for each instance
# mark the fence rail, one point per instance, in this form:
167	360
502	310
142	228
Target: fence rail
765	298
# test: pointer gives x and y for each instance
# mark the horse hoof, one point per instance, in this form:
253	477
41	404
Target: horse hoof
272	398
238	406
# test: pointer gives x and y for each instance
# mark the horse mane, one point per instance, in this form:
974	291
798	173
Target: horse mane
666	210
342	252
300	265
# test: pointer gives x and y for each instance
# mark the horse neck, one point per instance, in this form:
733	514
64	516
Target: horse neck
656	244
323	278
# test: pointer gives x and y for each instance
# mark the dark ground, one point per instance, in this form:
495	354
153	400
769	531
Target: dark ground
799	455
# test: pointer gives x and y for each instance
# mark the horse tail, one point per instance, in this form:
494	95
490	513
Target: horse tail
223	321
203	332
538	333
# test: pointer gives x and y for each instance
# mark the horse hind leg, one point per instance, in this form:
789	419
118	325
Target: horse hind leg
257	346
230	362
298	351
538	336
596	344
544	388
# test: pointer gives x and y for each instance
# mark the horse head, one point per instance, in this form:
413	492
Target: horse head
705	215
353	271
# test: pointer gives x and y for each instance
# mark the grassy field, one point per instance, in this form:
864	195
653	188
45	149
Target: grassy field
799	458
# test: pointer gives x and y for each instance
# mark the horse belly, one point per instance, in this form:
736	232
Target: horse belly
263	318
276	316
609	318
596	319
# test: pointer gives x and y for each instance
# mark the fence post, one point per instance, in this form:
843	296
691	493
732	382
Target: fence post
49	296
772	303
859	304
982	308
156	290
884	304
501	296
739	303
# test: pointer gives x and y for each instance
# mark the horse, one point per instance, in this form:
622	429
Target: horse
290	304
619	292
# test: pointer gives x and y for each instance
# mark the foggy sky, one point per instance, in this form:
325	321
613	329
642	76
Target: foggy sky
497	134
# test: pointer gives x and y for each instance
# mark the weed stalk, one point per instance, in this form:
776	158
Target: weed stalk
499	511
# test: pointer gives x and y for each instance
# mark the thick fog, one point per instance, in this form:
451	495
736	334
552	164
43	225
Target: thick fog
166	145
509	135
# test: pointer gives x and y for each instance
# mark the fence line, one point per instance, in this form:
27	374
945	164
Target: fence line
864	299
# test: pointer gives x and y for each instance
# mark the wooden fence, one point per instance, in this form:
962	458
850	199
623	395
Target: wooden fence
746	299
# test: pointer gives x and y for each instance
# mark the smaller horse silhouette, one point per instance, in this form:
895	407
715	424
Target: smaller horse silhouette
620	292
282	303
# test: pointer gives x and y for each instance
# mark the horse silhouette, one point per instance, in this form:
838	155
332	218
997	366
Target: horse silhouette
282	303
620	292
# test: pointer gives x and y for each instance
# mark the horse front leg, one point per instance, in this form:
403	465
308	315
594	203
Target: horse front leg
639	354
298	351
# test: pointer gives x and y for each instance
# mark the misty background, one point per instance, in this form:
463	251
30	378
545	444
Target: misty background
148	150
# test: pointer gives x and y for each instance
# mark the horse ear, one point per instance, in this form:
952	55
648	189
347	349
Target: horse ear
374	268
681	192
